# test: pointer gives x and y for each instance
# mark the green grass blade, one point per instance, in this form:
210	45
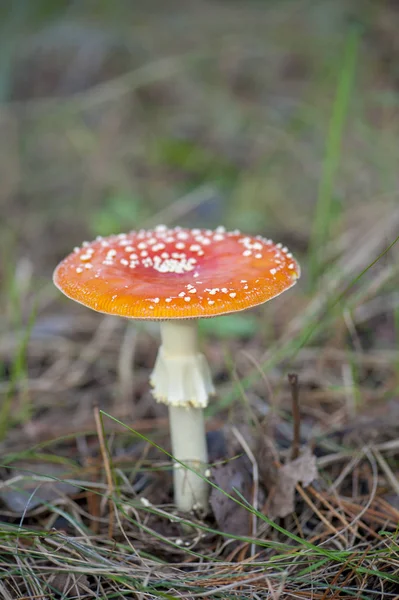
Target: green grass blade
324	207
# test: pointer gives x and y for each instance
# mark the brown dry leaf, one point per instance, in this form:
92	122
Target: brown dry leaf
230	516
267	458
301	470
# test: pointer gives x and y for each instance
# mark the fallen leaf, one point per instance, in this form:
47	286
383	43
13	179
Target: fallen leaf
301	470
26	490
267	458
230	516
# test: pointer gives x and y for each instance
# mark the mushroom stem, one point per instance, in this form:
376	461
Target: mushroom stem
182	380
187	430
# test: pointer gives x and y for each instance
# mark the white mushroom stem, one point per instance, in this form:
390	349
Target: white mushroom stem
187	430
182	380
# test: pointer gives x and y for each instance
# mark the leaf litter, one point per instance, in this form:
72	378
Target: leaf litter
234	476
300	470
333	496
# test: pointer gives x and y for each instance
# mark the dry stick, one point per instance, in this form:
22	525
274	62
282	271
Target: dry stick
107	467
93	499
293	381
92	468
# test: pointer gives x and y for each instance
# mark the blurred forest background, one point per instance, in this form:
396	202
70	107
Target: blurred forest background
112	111
279	118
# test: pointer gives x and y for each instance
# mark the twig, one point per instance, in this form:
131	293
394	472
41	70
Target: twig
107	467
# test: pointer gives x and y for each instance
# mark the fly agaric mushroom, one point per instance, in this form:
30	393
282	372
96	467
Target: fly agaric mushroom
176	276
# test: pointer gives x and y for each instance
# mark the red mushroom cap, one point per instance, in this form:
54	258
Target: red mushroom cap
176	273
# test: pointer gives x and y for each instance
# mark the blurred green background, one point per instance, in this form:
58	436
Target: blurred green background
110	112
